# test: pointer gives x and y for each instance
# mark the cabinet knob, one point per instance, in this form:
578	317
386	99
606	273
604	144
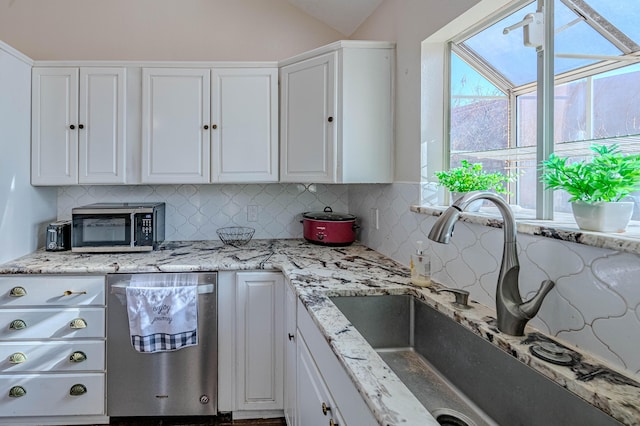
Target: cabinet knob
291	336
72	127
214	126
325	408
17	324
18	292
70	292
77	389
206	127
17	392
17	358
330	119
80	126
78	323
332	423
78	356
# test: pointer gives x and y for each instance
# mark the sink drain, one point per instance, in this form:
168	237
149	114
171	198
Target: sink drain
447	417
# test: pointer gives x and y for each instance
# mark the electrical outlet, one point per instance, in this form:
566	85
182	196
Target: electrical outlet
375	218
252	213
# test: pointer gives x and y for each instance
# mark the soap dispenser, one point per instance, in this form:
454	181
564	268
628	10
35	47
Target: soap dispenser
420	267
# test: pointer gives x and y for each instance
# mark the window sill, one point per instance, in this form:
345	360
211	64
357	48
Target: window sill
563	227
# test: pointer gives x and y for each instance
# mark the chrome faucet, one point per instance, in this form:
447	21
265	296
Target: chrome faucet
513	314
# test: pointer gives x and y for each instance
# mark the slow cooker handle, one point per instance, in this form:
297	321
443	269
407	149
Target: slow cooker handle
328	209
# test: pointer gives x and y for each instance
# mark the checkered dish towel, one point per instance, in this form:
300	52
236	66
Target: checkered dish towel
162	319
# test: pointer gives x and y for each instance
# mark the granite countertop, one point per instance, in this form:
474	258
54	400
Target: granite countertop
317	273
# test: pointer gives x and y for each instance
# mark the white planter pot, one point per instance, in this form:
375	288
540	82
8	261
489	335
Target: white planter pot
603	217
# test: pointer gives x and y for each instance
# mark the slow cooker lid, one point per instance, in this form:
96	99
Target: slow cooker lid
329	215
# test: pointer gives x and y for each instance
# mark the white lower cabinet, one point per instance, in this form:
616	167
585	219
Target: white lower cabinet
325	394
315	403
290	361
250	343
259	340
52	350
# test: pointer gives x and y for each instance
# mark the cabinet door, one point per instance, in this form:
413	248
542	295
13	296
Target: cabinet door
309	125
175	125
54	126
290	355
244	125
259	339
102	118
315	404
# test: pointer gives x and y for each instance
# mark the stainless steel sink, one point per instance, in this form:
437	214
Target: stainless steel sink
458	376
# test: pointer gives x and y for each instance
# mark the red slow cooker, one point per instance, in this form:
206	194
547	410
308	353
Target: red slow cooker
329	228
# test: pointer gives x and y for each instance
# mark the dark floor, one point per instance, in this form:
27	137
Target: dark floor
192	421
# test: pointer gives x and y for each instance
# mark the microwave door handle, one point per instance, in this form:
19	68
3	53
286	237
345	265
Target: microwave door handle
133	230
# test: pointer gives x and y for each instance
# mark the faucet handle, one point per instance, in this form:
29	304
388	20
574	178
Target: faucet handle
462	296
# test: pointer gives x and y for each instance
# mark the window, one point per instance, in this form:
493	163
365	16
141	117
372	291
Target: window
493	83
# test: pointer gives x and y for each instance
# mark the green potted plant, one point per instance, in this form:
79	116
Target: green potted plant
597	187
471	177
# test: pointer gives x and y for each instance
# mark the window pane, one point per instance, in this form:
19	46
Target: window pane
479	111
570	112
623	14
577	38
507	53
616	103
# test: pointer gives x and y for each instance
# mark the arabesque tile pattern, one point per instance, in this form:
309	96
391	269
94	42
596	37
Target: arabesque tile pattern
596	302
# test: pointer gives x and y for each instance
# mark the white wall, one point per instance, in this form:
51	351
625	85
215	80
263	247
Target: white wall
221	30
24	210
408	23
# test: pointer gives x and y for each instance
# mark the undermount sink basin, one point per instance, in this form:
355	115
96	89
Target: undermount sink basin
459	377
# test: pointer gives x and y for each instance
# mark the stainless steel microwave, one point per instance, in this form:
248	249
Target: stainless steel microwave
117	227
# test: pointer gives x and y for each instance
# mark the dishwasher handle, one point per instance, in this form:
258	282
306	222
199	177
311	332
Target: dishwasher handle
202	289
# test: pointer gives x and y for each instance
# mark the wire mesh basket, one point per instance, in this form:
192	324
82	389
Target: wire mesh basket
235	235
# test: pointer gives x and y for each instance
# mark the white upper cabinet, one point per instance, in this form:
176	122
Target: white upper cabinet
101	149
203	125
244	132
337	114
308	120
175	125
78	125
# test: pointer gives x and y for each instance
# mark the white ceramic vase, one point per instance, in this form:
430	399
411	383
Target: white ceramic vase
603	217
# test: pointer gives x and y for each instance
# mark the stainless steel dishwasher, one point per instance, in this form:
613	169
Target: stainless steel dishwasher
177	383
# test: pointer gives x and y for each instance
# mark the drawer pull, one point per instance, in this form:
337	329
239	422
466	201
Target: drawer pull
69	292
77	389
78	323
78	356
18	292
17	324
17	358
325	408
17	392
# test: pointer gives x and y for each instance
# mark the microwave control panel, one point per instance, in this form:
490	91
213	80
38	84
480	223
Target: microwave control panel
144	229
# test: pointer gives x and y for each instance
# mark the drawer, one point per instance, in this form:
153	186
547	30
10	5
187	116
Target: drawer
52	290
89	355
52	323
50	395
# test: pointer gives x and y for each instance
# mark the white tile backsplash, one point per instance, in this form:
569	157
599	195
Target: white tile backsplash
194	212
595	304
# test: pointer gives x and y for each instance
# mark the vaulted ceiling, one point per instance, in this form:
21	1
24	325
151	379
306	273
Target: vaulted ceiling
344	16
